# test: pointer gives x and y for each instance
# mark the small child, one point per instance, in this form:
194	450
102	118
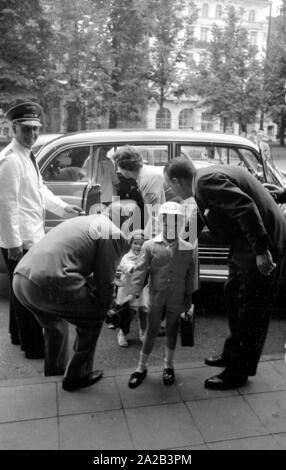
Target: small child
172	264
127	266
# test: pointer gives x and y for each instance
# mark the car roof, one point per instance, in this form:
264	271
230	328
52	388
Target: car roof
44	138
160	136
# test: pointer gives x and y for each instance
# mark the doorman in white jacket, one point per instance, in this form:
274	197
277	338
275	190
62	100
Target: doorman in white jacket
23	200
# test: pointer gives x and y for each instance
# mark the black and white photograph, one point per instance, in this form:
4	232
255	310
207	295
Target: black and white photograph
142	228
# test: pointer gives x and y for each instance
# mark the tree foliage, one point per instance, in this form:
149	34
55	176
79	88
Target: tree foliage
229	78
120	59
25	38
170	24
275	74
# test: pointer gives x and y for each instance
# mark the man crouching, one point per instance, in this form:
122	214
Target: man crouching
68	277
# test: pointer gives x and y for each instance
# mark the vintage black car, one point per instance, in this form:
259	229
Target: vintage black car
69	167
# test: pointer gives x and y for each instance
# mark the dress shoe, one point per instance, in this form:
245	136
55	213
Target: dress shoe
37	354
225	381
71	385
168	376
136	378
215	361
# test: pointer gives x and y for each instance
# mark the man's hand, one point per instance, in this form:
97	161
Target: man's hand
265	263
275	191
129	298
15	254
72	210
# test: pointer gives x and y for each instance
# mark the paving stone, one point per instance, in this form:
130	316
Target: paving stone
105	430
190	384
40	434
271	409
280	366
28	402
281	440
99	397
224	418
162	427
250	443
199	447
267	379
152	391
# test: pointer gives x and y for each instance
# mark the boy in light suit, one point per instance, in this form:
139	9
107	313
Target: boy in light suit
172	266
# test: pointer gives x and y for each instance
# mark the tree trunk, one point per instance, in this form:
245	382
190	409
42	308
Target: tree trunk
224	124
261	123
113	118
281	132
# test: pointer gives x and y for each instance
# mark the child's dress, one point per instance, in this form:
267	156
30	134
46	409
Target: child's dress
128	263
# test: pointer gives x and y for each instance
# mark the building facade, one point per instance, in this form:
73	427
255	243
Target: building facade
187	113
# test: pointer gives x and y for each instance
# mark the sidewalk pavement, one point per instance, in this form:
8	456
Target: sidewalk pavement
36	414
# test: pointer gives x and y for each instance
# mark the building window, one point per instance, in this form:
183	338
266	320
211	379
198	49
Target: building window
205	10
251	16
163	119
186	119
253	38
207	122
204	34
218	11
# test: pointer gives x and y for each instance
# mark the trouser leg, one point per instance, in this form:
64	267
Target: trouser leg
84	313
56	335
84	348
249	300
13	325
22	324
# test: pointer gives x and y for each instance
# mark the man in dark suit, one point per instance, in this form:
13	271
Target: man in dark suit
68	276
235	206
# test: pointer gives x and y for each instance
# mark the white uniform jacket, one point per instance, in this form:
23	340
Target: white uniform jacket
23	199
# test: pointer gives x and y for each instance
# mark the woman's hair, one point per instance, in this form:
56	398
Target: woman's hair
128	158
179	168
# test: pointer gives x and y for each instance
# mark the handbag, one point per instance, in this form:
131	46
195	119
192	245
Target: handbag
120	316
187	328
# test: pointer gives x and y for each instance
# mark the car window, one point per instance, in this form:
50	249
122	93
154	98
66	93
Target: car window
157	155
69	165
219	155
161	156
253	164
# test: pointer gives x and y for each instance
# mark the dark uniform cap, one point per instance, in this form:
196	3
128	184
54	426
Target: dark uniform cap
27	113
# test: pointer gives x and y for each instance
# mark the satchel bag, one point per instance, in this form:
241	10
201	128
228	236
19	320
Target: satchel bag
187	328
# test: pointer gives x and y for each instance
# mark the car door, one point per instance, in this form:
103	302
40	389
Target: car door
67	173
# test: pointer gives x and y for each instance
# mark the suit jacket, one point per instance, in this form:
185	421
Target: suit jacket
238	208
73	251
